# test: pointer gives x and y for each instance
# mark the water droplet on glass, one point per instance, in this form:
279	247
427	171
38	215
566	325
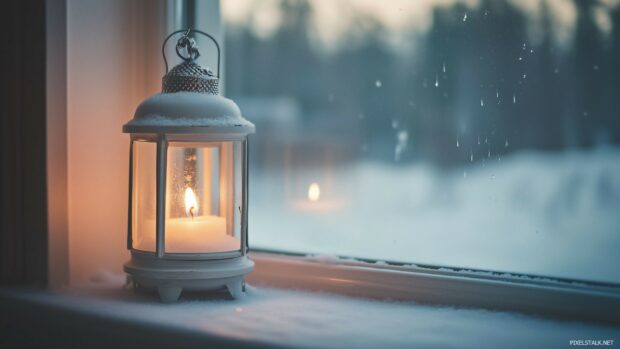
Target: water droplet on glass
524	45
524	76
444	67
478	139
514	99
497	93
465	17
457	141
394	124
489	154
557	70
464	174
378	83
486	12
520	58
486	139
481	102
436	81
471	156
506	144
532	51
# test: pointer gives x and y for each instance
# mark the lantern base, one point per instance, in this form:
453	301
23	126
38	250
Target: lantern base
171	277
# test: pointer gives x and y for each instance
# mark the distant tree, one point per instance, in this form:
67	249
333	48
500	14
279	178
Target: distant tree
588	60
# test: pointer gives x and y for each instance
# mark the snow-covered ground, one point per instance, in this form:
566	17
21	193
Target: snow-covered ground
553	214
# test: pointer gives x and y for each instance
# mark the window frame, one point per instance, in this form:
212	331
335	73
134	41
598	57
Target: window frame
559	298
544	296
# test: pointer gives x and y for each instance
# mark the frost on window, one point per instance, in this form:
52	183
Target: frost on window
481	134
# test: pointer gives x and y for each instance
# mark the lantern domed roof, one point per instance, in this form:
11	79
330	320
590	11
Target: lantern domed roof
188	112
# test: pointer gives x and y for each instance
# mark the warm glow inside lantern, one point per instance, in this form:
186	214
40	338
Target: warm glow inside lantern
188	184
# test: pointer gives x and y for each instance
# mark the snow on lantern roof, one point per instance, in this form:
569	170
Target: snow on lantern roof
188	112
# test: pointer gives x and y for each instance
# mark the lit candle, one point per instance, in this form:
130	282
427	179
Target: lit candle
194	233
201	234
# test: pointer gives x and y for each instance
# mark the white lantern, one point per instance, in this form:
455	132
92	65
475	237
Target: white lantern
188	183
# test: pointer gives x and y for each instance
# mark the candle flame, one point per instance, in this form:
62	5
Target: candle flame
314	192
191	204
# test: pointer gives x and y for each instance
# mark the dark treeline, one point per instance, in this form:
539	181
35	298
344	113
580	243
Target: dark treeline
479	80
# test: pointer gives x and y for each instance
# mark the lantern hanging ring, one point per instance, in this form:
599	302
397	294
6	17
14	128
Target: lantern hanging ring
189	44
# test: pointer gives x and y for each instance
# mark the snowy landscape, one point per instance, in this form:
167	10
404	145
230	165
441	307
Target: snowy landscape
539	213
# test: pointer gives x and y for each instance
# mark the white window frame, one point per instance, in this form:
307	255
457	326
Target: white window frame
599	302
549	297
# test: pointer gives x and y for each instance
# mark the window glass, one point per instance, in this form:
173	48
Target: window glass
479	134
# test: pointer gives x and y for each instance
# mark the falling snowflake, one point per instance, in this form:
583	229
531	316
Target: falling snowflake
401	143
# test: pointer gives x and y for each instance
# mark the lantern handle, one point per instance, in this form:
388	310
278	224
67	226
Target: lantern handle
188	43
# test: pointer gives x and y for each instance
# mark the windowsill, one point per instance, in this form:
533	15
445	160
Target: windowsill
529	294
111	315
270	317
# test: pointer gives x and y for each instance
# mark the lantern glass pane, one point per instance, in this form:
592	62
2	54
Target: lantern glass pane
203	197
144	196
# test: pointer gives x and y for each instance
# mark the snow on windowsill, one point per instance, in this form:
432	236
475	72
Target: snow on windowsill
303	319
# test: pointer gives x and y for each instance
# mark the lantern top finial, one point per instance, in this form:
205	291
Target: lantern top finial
190	76
190	102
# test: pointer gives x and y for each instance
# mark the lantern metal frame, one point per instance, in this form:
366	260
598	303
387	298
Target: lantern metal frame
170	273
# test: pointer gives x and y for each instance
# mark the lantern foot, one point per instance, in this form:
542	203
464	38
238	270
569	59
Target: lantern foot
236	289
169	294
